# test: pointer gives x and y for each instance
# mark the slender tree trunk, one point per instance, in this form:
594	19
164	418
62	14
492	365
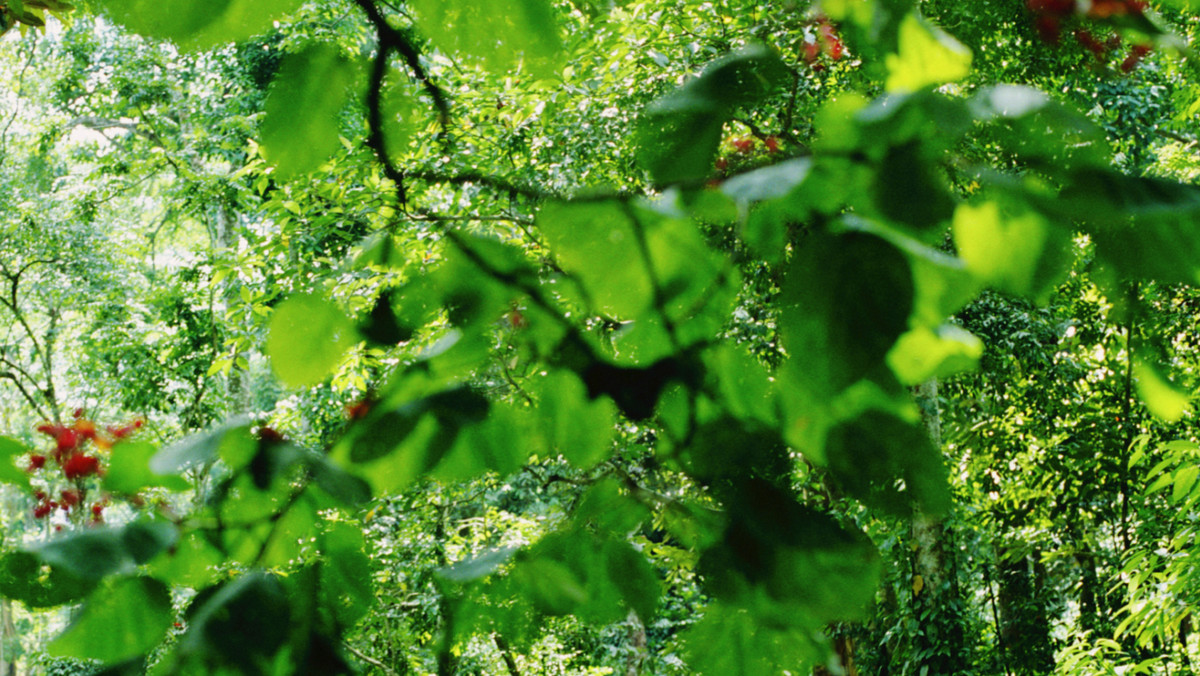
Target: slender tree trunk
1024	617
942	637
226	238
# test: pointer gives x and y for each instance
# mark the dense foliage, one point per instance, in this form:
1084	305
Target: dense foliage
582	337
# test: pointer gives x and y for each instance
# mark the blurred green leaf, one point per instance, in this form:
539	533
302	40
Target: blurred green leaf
300	127
124	618
307	339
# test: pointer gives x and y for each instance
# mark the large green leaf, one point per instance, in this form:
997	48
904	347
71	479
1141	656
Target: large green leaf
573	425
1145	228
99	552
90	554
199	25
300	129
239	623
679	133
789	564
927	56
502	34
586	240
124	618
129	470
596	578
9	472
25	578
846	299
346	573
1037	130
730	641
308	338
202	448
1010	247
889	464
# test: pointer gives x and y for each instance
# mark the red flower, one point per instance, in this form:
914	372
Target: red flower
743	145
81	465
43	510
36	462
125	430
1059	7
772	143
1135	56
70	498
1048	28
97	509
836	49
811	51
85	429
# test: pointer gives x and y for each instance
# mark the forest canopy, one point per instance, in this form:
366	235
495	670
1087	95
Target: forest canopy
540	337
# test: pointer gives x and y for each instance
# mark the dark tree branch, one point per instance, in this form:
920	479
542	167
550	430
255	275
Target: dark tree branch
29	399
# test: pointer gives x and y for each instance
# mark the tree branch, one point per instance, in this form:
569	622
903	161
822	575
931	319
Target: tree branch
358	654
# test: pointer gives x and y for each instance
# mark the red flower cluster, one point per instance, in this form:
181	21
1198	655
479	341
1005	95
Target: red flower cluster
77	462
1050	15
828	41
1135	56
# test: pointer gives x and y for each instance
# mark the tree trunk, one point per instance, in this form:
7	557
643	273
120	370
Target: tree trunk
941	639
1024	618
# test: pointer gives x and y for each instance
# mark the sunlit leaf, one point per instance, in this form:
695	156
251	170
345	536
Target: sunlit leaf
300	129
307	339
927	56
125	618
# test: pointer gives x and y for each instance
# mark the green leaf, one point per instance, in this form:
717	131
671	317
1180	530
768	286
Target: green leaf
585	239
1185	480
597	579
125	618
1038	130
1163	400
501	443
199	25
300	127
146	538
889	464
773	551
732	641
193	562
338	483
579	428
479	567
745	386
678	134
610	509
307	339
502	34
1011	248
927	57
633	577
9	472
24	578
924	353
910	190
769	182
846	298
129	470
240	623
1142	227
202	448
90	554
346	574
